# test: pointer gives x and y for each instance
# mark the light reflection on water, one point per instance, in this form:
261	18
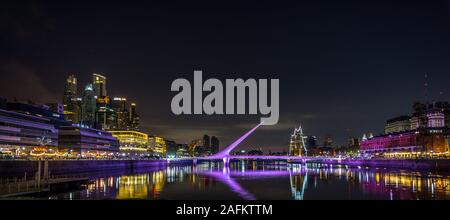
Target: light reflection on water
267	180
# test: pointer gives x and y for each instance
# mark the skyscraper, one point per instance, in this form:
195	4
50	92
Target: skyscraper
88	106
206	143
214	145
106	117
99	82
311	142
119	105
133	118
71	107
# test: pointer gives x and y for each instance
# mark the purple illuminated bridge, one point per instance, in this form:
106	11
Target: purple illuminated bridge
225	153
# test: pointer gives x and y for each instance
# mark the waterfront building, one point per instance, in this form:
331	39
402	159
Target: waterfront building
409	144
35	110
398	124
183	151
70	104
21	133
157	145
427	136
87	142
297	143
214	145
172	148
88	106
131	141
99	85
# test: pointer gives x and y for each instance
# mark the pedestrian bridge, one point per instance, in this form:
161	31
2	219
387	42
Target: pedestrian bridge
226	157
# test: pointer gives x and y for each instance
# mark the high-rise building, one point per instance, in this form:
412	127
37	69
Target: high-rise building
311	142
133	118
99	82
214	145
88	106
70	105
105	117
172	148
206	143
119	105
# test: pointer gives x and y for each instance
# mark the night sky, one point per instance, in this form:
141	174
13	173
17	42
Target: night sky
344	67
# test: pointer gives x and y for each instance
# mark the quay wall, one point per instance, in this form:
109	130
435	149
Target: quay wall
416	164
67	167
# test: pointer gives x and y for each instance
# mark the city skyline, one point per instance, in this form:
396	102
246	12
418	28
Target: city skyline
339	75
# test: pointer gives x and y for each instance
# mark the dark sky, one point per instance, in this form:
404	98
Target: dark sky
344	67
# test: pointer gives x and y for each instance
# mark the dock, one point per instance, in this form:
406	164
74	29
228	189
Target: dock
36	187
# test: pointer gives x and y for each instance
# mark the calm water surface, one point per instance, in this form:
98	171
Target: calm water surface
266	181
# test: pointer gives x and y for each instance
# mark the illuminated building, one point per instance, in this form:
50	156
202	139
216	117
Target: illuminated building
87	141
435	118
119	105
35	110
398	124
157	145
105	117
88	106
214	145
196	148
21	132
409	144
427	136
172	148
133	118
297	145
99	85
183	151
131	140
70	105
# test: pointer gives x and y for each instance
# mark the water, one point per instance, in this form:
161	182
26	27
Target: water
269	180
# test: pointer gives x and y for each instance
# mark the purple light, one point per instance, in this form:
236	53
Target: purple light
226	152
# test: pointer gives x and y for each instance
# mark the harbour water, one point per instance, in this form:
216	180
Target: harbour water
265	180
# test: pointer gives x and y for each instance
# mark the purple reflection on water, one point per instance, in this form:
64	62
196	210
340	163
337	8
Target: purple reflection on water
226	177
